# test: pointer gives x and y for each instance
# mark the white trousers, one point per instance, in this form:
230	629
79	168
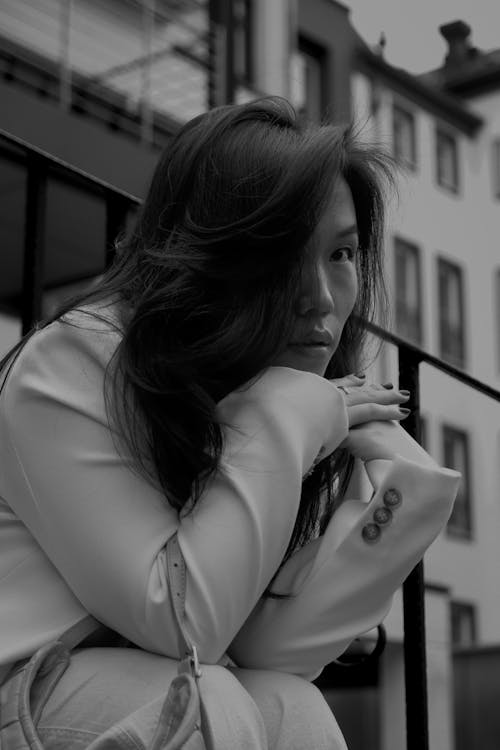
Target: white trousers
248	709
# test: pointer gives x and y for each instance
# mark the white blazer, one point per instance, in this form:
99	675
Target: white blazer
80	532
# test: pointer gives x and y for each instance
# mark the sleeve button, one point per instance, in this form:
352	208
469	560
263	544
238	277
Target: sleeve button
392	498
382	516
371	532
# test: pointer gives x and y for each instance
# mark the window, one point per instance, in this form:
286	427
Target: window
309	80
408	290
404	139
463	624
451	313
495	162
496	326
456	456
447	160
424	433
243	60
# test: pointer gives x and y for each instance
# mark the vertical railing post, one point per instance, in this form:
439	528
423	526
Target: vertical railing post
415	658
34	241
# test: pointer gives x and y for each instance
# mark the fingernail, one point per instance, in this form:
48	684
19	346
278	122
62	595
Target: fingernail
360	375
388	386
403	410
405	393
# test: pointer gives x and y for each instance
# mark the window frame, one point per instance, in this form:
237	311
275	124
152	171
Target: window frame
456	607
496	308
244	29
495	161
454	530
443	134
450	356
319	54
401	244
399	108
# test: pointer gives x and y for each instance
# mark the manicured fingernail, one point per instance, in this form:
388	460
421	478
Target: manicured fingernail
360	375
388	386
405	393
404	411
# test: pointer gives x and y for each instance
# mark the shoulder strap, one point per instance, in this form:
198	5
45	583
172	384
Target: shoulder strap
176	570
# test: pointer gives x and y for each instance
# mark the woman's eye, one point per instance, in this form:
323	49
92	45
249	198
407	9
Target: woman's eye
343	254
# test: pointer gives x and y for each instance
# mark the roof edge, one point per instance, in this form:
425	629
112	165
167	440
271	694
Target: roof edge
446	105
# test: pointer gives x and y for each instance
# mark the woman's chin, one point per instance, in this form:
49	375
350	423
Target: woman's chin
305	359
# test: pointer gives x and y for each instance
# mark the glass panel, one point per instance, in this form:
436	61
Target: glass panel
447	167
12	215
451	313
309	83
463	624
495	165
496	326
408	291
456	456
404	136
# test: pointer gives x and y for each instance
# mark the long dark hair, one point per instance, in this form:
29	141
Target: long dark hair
207	279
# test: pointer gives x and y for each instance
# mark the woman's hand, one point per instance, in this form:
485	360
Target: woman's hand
368	402
385	440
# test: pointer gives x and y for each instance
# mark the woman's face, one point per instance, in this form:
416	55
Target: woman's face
329	287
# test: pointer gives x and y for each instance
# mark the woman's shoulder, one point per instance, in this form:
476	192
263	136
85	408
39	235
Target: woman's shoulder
92	329
71	353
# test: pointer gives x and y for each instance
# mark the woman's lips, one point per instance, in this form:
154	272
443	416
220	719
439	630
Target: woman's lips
310	349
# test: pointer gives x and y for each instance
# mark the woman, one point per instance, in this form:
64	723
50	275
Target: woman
203	393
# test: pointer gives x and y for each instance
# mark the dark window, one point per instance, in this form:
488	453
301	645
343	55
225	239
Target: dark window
424	433
495	163
463	624
404	137
310	80
408	291
243	39
447	160
456	456
451	313
496	324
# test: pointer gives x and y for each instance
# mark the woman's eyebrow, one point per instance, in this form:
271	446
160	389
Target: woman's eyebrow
353	229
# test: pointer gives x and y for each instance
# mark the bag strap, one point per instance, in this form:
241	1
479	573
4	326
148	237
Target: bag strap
176	570
79	631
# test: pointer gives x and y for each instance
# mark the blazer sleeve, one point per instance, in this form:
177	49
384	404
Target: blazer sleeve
342	584
104	528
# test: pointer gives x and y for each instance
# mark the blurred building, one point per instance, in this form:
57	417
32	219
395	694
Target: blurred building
103	85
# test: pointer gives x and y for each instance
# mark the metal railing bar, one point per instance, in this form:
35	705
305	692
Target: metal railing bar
415	660
431	359
415	655
59	165
34	241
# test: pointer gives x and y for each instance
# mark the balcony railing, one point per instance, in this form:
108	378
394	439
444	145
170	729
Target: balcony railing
40	166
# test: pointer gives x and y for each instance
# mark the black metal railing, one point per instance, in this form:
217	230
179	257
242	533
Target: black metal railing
40	166
410	357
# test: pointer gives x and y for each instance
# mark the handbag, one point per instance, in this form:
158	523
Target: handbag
183	723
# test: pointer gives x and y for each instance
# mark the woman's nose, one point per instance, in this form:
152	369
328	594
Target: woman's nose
316	295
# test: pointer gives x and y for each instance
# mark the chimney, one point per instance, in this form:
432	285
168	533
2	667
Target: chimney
457	35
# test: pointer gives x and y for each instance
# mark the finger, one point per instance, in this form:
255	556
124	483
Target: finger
349	380
372	394
370	412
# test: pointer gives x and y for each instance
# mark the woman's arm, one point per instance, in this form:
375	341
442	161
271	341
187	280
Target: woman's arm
342	584
104	528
